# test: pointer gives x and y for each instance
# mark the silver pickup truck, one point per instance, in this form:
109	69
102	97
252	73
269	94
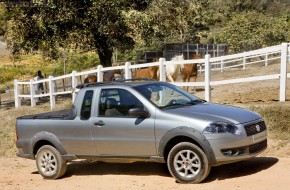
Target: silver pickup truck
141	120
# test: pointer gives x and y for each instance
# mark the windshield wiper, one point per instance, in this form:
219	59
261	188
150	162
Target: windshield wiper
175	105
172	105
194	102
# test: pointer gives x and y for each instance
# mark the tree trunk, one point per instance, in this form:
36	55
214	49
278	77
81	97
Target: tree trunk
105	56
104	51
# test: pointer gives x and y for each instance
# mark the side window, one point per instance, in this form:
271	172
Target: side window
87	105
109	102
128	101
117	102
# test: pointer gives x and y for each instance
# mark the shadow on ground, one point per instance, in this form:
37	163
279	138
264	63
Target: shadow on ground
228	171
240	169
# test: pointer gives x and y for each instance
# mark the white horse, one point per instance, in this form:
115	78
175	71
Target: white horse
173	70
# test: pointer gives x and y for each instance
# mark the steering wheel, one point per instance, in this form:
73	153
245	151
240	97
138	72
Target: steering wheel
171	102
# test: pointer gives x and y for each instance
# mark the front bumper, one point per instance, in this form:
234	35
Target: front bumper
230	148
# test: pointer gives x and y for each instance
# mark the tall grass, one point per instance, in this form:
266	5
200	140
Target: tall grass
9	73
7	130
8	123
277	118
73	61
28	66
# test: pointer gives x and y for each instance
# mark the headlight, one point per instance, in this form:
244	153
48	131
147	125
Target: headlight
221	127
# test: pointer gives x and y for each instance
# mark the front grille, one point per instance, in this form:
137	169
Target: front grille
258	147
255	128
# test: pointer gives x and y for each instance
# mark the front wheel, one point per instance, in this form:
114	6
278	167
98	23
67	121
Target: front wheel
187	163
49	162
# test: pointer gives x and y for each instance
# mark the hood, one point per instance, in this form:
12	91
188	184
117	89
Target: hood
216	112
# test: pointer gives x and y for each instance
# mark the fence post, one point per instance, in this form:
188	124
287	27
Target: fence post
73	85
200	67
32	93
100	73
51	92
207	77
266	59
64	84
283	72
222	64
128	73
16	94
23	90
288	52
244	61
162	70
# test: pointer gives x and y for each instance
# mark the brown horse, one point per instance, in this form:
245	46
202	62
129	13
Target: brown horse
149	72
91	79
108	76
190	70
113	75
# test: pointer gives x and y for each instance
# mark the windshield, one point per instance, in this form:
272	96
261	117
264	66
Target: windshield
167	96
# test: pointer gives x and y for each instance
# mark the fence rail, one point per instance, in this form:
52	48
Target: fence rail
240	60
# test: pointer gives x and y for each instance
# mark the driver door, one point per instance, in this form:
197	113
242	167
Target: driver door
122	135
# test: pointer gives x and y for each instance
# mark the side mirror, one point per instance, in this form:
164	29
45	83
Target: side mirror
138	112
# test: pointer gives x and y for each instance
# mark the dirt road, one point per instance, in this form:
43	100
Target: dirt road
261	173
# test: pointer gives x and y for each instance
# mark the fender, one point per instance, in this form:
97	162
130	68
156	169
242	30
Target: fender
46	136
190	133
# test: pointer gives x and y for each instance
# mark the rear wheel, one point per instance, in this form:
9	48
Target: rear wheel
49	162
187	163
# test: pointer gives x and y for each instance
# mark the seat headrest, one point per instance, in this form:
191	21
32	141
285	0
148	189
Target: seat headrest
111	103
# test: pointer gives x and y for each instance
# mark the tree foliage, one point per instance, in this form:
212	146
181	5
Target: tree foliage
252	30
249	25
77	24
167	21
109	25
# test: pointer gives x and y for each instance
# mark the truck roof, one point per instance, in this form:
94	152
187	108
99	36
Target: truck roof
127	82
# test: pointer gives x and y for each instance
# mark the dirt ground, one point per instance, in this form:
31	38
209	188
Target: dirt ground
271	170
260	173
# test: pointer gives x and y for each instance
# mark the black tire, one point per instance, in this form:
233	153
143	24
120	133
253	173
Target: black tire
187	163
49	162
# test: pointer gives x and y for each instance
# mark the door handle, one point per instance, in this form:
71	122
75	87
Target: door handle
99	123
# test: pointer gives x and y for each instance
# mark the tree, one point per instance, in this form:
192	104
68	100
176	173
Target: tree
78	24
252	30
169	21
246	24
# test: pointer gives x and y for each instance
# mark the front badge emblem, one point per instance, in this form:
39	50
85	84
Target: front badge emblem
258	128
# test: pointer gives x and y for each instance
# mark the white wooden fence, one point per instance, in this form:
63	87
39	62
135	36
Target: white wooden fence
208	64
